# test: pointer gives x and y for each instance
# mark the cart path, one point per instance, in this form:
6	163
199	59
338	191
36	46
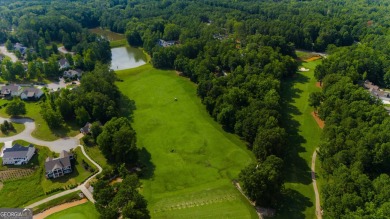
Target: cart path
316	193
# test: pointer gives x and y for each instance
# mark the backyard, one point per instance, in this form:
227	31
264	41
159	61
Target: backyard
190	160
18	192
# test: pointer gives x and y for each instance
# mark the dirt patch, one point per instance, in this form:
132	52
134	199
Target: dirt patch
313	58
59	208
15	173
318	84
320	123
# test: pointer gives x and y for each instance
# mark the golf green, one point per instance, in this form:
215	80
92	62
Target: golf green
191	161
84	211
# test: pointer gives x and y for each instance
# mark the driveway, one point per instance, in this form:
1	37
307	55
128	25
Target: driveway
56	146
63	50
5	52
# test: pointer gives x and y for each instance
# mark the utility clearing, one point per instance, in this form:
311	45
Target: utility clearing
190	160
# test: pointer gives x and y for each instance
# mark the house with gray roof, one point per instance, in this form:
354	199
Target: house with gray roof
31	93
63	63
57	167
12	90
18	154
73	73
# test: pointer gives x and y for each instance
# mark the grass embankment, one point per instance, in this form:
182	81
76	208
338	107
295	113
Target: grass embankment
118	43
190	160
61	200
42	130
20	192
304	137
84	211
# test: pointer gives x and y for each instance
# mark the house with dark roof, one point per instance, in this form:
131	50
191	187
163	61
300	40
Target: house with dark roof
31	93
164	43
11	90
19	47
63	63
18	155
57	167
86	129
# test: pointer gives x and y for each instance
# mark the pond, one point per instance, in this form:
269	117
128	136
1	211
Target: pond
126	57
110	36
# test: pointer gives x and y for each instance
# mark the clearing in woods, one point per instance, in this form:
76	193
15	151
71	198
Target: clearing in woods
190	160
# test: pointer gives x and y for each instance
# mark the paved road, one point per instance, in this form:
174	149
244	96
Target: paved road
316	193
56	146
5	52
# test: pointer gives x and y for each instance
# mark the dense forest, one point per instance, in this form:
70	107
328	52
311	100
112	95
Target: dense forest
238	52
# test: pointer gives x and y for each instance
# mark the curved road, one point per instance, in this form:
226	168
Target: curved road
56	146
313	177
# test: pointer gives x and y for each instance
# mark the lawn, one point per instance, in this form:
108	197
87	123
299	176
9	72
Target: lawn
95	153
304	136
17	193
18	129
190	160
42	130
84	211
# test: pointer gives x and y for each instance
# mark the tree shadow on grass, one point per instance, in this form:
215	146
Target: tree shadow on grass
127	107
148	167
293	205
297	170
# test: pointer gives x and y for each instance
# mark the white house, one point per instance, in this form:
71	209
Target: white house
18	155
57	167
31	93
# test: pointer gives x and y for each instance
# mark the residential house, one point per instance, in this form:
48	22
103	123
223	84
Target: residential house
18	155
63	63
164	43
57	167
11	90
31	93
19	47
73	73
86	129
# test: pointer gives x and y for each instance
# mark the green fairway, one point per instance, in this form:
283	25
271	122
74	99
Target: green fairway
190	160
84	211
304	136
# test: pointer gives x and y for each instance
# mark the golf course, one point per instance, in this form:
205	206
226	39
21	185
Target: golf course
190	160
304	137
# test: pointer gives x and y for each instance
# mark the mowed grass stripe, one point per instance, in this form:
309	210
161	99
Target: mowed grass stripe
304	137
188	152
